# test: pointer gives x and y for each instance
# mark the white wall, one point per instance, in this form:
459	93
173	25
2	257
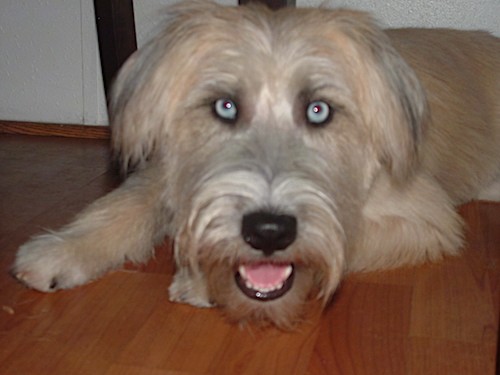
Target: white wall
49	63
459	14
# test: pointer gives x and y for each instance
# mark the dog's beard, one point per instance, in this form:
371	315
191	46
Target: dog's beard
245	282
284	312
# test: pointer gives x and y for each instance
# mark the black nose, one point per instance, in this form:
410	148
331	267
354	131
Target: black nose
269	232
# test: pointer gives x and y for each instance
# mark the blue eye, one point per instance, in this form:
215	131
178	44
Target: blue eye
226	110
318	113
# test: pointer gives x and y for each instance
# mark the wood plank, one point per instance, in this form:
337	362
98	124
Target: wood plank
357	335
77	170
59	130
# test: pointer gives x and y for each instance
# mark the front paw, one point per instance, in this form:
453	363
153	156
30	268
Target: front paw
190	289
48	263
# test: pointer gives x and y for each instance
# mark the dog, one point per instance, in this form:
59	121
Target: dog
281	150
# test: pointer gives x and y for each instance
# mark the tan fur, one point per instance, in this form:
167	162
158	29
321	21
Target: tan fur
415	132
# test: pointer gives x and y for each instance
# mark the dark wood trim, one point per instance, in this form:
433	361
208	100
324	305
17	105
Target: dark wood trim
273	4
116	34
60	130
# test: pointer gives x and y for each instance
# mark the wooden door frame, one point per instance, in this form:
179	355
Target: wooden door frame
273	4
116	36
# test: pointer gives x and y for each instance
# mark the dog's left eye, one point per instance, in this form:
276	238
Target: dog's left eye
226	110
318	113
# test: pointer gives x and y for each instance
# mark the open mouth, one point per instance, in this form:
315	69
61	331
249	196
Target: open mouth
265	281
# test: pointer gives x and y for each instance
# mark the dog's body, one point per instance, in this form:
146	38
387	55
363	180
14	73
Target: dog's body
283	149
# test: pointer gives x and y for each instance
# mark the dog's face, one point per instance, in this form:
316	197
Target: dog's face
271	127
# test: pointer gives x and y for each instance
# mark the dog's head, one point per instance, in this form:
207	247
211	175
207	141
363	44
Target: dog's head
271	127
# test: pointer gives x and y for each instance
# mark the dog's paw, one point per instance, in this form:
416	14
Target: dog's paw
48	263
188	289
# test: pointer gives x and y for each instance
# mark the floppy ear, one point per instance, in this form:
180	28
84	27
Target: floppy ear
138	104
393	99
148	84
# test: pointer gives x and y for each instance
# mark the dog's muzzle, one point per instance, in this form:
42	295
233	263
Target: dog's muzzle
267	232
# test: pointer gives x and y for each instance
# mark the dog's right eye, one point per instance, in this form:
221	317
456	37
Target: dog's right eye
226	110
318	113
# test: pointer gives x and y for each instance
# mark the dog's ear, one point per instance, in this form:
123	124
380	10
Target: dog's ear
140	102
148	85
133	133
393	99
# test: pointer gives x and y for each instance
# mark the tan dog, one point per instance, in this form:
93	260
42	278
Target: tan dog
283	149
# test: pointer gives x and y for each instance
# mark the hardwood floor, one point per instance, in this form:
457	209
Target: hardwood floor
434	319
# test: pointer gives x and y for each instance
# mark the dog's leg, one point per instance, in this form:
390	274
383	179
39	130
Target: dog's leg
491	192
123	225
408	226
189	287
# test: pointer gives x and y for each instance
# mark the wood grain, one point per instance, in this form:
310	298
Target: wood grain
435	319
61	130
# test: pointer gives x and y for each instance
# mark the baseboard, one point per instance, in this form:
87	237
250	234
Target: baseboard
59	130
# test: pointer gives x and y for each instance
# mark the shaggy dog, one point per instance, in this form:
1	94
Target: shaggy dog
283	149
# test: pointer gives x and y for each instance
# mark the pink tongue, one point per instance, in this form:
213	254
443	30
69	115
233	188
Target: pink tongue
266	274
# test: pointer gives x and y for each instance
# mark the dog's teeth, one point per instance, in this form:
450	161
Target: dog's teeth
249	285
242	272
264	288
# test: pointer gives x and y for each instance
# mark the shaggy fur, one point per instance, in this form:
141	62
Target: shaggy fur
414	130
